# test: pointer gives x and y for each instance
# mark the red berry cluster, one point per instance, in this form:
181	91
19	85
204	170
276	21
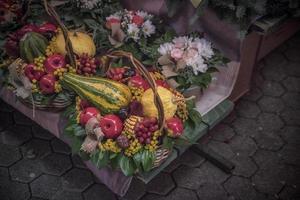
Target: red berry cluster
116	74
86	65
145	129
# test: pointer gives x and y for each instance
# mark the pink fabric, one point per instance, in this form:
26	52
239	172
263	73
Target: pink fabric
55	123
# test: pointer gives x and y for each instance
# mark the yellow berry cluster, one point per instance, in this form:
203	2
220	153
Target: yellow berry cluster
137	93
110	145
34	86
6	62
181	112
59	72
70	68
78	118
39	63
78	100
133	148
154	141
51	49
157	76
57	87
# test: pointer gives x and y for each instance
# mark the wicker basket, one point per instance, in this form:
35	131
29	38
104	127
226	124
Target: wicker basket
161	153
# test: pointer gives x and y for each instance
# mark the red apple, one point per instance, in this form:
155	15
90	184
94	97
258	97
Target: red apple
54	62
111	125
31	73
47	28
138	81
162	84
47	84
87	114
175	126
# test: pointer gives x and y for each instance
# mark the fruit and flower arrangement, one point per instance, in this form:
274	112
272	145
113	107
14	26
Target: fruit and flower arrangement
116	121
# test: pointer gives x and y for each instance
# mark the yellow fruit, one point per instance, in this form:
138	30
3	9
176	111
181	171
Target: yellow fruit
81	42
167	99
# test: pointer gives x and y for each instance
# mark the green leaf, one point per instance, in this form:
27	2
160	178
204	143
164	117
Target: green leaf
127	165
76	145
137	158
147	160
196	3
212	70
168	142
195	116
79	131
114	162
100	158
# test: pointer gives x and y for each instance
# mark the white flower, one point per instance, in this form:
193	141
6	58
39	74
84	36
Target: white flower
89	4
197	64
142	14
181	42
205	49
165	48
148	28
133	32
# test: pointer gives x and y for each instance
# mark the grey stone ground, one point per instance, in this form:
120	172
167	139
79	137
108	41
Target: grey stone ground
262	138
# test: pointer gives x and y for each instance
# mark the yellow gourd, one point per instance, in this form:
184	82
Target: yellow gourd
81	43
167	99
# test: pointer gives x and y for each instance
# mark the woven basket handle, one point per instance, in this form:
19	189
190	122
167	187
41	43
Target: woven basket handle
69	48
145	73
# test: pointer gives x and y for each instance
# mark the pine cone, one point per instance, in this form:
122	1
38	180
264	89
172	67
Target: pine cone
123	141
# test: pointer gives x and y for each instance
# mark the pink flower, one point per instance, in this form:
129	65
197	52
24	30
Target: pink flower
176	54
112	20
190	54
138	20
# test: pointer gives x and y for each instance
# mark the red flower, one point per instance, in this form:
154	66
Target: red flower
111	21
138	20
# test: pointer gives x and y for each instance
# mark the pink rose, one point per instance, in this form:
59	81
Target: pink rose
179	44
190	53
176	54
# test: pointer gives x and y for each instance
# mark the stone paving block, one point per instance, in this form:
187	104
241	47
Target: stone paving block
36	148
254	94
222	133
271	104
292	53
9	155
292	84
243	146
14	191
291	116
193	178
242	189
25	170
245	127
77	161
41	133
292	99
161	184
177	194
4	107
274	72
212	191
77	179
290	154
293	69
269	141
289	192
275	58
136	191
16	135
290	134
56	164
247	109
21	119
46	186
97	191
272	88
67	195
60	147
6	119
244	166
191	159
3	173
269	122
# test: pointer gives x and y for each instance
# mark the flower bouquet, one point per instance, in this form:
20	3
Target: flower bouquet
130	118
189	61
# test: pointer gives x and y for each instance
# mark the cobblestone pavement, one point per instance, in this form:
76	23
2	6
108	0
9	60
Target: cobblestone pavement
261	136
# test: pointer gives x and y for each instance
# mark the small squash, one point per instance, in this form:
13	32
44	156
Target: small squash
81	43
167	99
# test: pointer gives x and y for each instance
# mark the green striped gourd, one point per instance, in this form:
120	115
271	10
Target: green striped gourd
32	45
107	95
